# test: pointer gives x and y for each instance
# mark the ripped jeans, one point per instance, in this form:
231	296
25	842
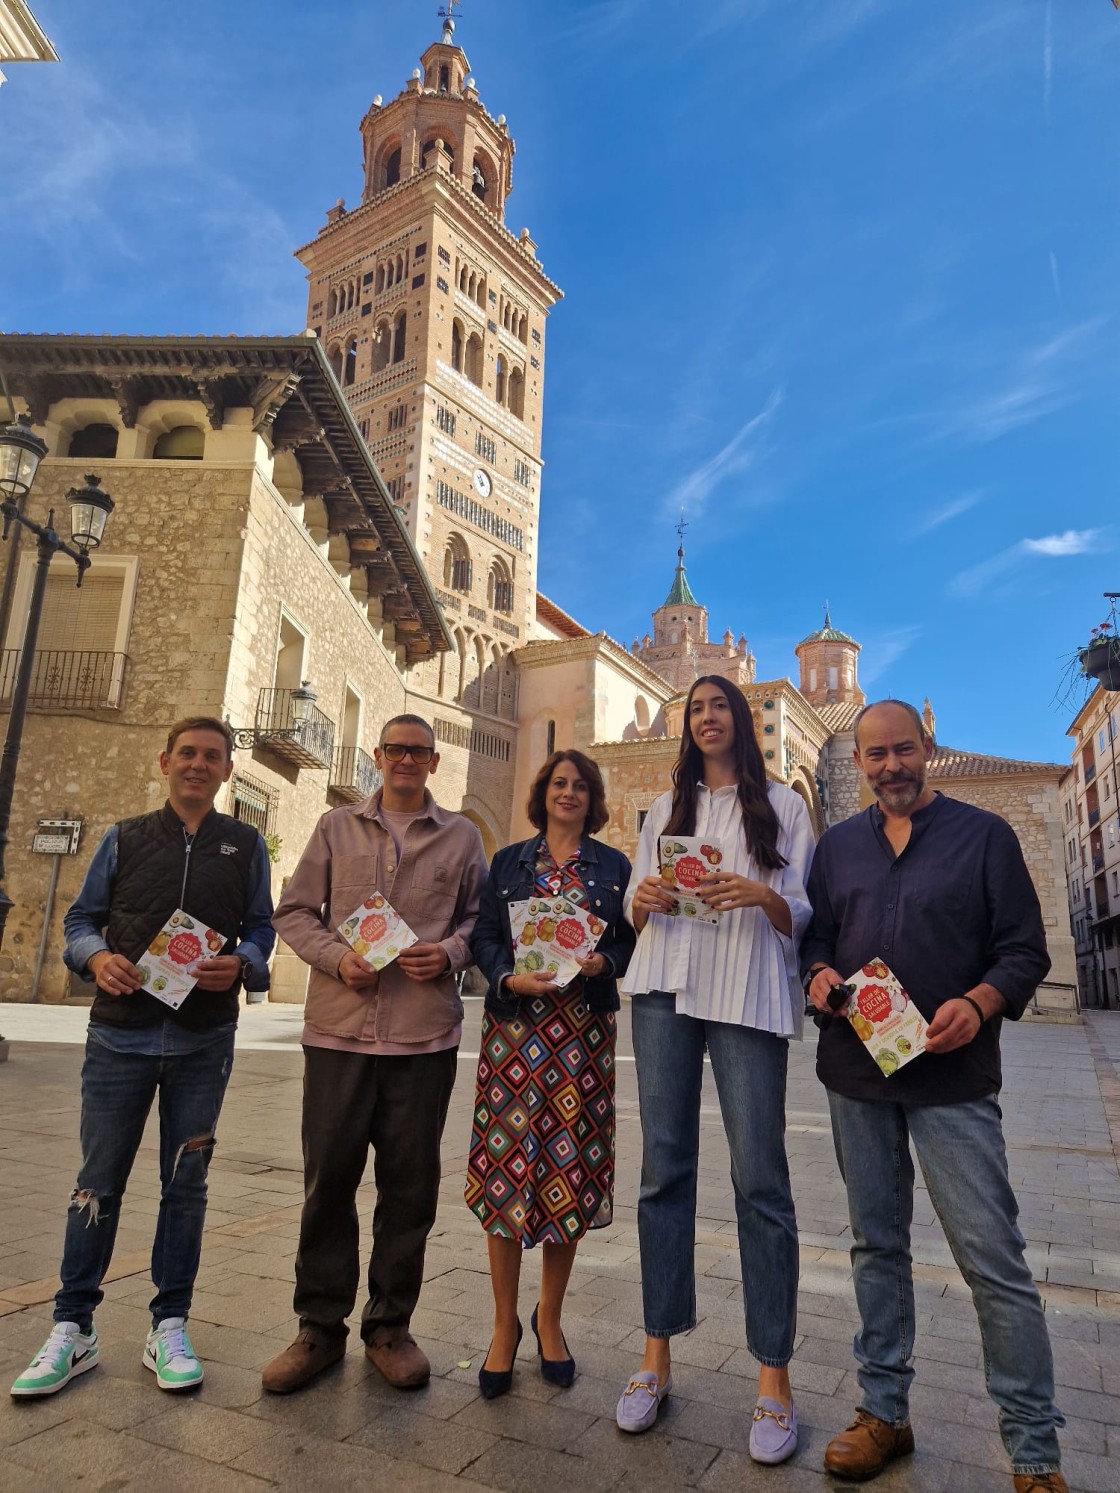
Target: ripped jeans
122	1073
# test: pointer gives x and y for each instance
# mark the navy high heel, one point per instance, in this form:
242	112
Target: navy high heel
496	1382
560	1371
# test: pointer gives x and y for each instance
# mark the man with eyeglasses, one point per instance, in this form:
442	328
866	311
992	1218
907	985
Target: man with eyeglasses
379	1054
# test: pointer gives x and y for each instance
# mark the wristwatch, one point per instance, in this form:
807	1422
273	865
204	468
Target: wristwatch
246	971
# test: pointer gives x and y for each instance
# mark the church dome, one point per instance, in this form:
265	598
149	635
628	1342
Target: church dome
828	634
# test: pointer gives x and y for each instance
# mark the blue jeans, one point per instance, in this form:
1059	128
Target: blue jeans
118	1088
749	1067
961	1152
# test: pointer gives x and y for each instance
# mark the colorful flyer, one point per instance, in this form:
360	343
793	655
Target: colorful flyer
884	1017
551	935
167	967
377	932
685	861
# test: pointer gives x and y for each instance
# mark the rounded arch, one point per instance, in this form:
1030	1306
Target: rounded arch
350	363
517	393
804	785
457	340
500	379
641	714
481	816
473	361
484	178
400	331
180	443
334	358
97	439
429	145
387	166
457	567
382	344
499	587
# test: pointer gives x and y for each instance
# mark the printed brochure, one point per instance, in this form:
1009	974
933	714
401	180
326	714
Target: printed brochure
167	967
884	1017
551	935
685	861
377	932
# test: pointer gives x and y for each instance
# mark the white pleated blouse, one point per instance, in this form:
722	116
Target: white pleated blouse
740	970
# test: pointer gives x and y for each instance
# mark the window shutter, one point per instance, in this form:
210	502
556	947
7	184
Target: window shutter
81	621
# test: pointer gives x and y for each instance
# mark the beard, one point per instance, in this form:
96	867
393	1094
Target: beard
900	791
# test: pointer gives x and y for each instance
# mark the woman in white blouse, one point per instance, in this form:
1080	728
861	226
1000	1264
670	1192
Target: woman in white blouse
732	988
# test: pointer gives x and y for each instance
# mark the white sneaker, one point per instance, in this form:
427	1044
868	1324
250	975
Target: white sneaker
168	1353
65	1354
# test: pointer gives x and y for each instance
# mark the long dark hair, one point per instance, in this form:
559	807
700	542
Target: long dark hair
760	823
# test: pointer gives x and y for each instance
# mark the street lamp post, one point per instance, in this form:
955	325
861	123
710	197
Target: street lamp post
21	451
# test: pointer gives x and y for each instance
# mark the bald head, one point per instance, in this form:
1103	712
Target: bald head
892	750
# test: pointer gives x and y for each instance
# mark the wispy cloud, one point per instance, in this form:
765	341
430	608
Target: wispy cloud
1033	383
977	578
947	512
692	492
879	653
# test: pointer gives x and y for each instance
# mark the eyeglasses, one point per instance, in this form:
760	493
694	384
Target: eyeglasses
838	997
397	751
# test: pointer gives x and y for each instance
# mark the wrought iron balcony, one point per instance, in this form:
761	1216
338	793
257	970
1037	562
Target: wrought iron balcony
66	680
306	742
354	775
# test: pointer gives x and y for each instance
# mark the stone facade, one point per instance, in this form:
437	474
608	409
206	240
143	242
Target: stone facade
1090	829
217	574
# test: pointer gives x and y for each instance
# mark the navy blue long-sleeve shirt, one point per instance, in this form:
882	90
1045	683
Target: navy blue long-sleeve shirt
954	910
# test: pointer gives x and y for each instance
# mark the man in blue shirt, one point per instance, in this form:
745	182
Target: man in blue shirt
938	890
212	870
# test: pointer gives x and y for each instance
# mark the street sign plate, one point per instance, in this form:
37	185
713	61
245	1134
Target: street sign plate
57	837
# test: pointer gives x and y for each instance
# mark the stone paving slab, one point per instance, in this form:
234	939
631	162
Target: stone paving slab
113	1429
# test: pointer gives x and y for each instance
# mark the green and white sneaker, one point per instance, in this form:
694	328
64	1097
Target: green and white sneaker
168	1353
65	1354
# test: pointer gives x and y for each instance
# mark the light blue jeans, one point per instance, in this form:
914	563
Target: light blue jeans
961	1152
749	1068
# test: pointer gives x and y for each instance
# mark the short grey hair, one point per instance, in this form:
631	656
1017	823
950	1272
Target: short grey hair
911	711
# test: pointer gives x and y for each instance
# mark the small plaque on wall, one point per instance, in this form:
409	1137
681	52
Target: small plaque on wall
57	837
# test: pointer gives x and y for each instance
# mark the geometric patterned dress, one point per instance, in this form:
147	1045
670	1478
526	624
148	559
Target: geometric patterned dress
541	1165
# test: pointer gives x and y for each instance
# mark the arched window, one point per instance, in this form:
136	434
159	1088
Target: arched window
517	393
382	346
474	359
182	443
444	78
523	328
350	364
500	381
457	568
478	180
332	303
398	337
463	278
480	292
457	346
499	588
427	157
97	440
392	171
334	358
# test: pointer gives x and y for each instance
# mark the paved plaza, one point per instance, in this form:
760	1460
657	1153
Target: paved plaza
113	1429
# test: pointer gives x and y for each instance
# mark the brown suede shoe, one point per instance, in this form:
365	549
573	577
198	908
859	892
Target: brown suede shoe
394	1354
866	1447
1040	1482
308	1356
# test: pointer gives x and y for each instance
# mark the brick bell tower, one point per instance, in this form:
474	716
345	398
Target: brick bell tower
433	317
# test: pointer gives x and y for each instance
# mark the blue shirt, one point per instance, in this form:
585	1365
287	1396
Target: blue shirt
89	914
955	909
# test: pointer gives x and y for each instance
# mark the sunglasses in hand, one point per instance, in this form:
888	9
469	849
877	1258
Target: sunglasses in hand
838	997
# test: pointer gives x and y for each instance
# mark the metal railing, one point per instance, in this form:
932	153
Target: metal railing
308	743
354	774
63	679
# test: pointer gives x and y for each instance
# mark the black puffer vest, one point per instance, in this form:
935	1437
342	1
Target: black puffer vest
157	871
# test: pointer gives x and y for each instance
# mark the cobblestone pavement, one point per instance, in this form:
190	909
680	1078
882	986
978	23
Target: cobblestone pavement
113	1429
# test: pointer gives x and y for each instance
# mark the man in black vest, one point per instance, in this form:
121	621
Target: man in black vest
208	871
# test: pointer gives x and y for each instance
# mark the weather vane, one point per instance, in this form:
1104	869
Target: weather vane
447	13
681	527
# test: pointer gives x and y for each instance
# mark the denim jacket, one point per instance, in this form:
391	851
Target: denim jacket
604	872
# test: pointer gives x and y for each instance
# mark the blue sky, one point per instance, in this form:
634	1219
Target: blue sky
840	279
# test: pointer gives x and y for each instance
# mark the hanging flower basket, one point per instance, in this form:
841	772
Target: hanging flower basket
1101	659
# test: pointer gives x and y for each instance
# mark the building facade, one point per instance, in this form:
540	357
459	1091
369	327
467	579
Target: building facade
1091	829
252	547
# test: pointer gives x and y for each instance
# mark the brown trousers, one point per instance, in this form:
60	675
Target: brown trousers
398	1106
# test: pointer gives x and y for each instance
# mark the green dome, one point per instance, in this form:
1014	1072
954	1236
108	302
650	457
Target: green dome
828	634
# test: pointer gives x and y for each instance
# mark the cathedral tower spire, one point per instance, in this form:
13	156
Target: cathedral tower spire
828	660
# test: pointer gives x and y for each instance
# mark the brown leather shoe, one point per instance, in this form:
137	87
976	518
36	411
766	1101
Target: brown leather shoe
393	1352
866	1447
308	1356
1040	1482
